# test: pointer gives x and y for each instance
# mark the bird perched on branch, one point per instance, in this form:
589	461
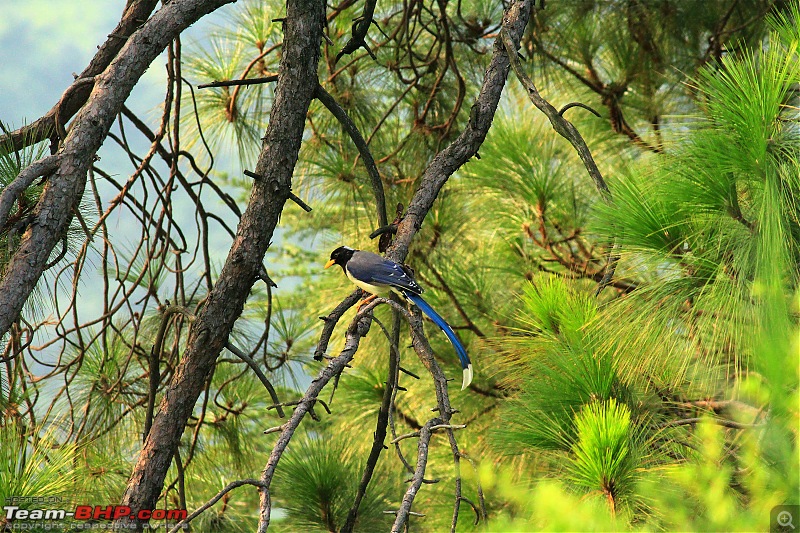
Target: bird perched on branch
380	276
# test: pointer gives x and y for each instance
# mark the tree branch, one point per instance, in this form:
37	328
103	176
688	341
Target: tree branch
357	329
232	83
383	419
419	474
719	421
90	127
229	487
466	145
425	353
360	28
562	126
135	14
352	130
567	130
155	357
264	381
24	180
209	332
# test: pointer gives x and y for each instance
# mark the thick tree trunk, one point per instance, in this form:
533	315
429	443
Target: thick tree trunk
209	333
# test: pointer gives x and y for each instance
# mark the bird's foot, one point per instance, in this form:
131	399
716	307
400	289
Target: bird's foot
365	302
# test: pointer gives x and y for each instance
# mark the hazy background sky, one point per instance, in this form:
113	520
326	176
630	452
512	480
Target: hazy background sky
43	42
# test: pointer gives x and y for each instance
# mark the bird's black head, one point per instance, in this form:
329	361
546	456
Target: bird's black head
340	256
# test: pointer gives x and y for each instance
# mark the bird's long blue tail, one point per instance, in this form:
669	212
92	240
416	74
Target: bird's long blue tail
466	365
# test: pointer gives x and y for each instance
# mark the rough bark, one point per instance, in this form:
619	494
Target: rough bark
134	15
65	187
297	82
446	162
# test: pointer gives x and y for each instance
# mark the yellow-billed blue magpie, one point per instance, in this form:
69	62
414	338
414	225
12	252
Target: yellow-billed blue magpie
380	276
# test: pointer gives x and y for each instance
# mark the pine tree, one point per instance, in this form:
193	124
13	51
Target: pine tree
634	338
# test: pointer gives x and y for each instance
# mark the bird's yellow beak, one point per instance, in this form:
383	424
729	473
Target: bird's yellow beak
330	263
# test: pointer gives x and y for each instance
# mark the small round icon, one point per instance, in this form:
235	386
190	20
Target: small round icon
785	519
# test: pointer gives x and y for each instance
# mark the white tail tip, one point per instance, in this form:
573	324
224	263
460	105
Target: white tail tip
467	378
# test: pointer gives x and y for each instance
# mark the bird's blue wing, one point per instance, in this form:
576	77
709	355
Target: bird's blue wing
377	270
373	269
466	364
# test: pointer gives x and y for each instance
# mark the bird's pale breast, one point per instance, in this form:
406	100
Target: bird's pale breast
380	290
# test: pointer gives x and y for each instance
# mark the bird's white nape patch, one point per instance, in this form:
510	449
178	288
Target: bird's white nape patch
467	377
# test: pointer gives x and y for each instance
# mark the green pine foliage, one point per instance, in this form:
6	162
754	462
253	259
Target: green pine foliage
316	485
708	233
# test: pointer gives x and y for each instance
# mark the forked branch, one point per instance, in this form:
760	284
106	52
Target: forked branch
566	129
